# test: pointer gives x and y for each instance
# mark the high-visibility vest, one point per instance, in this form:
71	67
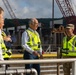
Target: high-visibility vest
34	40
6	52
2	45
0	42
69	46
3	34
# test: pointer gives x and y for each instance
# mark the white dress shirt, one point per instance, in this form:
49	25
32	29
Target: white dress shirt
1	56
24	40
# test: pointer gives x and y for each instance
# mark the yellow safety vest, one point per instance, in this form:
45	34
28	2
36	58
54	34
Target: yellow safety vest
3	34
1	42
6	53
3	47
69	46
34	40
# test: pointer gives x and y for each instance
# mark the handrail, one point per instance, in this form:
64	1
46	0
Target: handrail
37	61
73	60
12	71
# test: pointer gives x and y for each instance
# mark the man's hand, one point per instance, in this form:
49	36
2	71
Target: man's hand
41	56
35	53
7	38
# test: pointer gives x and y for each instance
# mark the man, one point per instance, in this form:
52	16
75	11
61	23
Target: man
7	41
69	47
1	38
32	45
3	48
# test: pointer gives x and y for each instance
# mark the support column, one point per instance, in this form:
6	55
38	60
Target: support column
74	68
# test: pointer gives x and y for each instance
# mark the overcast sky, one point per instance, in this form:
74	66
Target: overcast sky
33	8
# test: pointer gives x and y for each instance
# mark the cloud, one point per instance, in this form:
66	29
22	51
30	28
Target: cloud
32	8
3	6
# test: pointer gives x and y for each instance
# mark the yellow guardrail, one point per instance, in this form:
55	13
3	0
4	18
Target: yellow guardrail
45	55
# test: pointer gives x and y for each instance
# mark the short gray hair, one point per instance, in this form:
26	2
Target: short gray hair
32	20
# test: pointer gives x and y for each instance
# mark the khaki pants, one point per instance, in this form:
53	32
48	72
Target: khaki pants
66	68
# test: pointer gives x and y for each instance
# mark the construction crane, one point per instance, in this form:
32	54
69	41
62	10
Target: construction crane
12	14
69	17
67	10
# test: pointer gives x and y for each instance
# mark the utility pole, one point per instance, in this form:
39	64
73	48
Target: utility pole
52	13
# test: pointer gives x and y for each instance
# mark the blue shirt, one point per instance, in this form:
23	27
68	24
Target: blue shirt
25	39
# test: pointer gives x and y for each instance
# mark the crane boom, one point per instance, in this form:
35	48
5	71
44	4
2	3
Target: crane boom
66	10
12	14
9	8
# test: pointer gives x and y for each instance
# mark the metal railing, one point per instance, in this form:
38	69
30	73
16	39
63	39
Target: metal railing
58	61
18	71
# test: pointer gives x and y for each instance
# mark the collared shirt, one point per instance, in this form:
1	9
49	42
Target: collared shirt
0	38
25	38
1	56
0	31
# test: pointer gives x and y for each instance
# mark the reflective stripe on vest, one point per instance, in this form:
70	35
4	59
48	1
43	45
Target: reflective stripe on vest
0	42
3	34
7	54
70	45
34	40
